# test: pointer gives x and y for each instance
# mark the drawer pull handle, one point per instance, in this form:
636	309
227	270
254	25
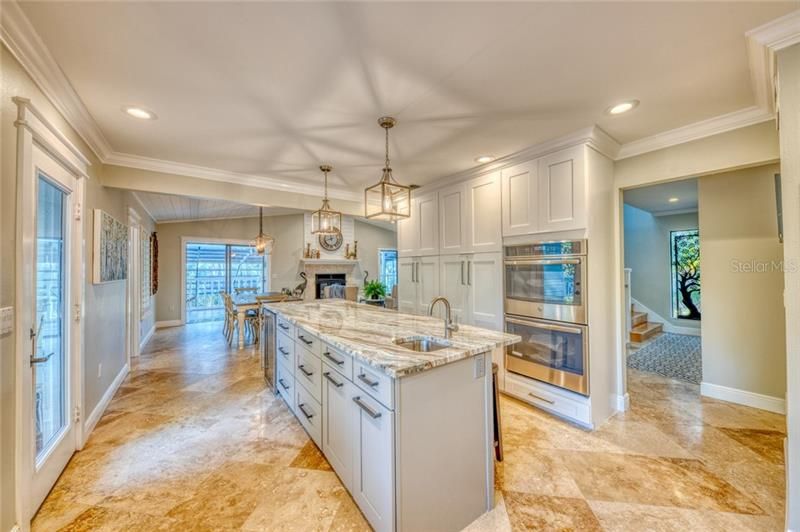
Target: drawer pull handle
284	327
303	410
283	383
366	408
336	383
302	368
363	378
335	360
539	397
304	340
283	351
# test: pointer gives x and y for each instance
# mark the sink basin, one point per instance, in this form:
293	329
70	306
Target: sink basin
423	344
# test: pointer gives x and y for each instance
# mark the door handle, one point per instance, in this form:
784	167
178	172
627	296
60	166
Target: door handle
302	368
301	406
462	272
469	273
283	351
336	383
363	378
332	358
284	327
41	360
283	383
366	408
304	340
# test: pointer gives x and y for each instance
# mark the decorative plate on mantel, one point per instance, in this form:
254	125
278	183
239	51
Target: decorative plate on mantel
331	242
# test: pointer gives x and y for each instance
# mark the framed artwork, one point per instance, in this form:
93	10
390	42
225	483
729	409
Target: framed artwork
110	249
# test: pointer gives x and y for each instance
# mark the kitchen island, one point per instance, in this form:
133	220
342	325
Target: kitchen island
403	414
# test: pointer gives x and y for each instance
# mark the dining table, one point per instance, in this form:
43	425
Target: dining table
246	301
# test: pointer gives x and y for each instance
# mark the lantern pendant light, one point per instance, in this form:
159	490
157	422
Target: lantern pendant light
326	221
388	199
263	242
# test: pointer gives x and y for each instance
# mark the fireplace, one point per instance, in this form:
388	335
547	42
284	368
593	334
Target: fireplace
327	279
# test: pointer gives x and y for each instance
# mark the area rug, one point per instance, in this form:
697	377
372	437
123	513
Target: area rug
676	356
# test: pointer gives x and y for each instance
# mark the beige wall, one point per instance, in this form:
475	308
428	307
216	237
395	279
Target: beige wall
647	253
284	259
105	312
743	337
370	240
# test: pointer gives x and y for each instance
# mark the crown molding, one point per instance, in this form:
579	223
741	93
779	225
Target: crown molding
762	44
698	130
19	36
224	176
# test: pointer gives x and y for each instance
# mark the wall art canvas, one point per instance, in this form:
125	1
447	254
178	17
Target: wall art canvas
110	257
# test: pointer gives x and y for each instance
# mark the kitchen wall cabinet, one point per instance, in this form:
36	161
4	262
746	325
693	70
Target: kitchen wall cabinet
562	182
417	284
473	285
469	216
419	234
520	193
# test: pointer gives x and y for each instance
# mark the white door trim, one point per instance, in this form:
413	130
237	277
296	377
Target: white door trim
204	240
34	130
134	291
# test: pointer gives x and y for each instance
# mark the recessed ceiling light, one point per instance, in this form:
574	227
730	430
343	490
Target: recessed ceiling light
673	200
622	107
139	112
485	159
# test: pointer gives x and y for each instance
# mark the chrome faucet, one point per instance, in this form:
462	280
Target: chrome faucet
449	326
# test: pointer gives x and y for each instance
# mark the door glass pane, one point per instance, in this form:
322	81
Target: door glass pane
557	349
247	269
388	267
205	279
50	375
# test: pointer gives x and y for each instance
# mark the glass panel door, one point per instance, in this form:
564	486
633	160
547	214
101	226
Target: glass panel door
247	269
50	369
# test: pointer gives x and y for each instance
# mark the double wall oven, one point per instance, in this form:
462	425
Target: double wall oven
545	303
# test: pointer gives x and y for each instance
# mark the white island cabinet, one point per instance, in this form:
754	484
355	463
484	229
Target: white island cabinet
408	433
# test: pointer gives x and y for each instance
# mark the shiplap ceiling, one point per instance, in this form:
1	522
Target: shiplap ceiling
169	208
275	88
655	199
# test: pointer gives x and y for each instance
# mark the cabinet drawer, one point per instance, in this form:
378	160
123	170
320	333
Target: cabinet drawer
341	362
309	341
377	384
286	327
285	349
309	411
285	385
546	397
308	372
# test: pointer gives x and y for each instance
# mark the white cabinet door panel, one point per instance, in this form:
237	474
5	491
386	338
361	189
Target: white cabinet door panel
408	234
452	218
406	284
453	285
485	279
562	203
427	212
427	283
520	186
339	423
373	479
482	216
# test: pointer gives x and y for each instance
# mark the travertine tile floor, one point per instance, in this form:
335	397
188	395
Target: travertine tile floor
193	441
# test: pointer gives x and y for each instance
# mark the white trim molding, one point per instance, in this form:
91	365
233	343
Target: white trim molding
146	337
168	323
762	43
705	128
24	43
98	411
743	397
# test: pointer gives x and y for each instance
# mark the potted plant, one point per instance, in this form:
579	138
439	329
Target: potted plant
374	290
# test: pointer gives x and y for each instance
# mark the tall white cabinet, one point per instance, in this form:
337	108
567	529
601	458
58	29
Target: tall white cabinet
473	285
417	283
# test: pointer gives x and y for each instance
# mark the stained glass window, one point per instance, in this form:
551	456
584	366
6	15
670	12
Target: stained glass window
685	257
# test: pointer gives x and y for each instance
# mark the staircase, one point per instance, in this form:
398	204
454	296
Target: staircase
641	328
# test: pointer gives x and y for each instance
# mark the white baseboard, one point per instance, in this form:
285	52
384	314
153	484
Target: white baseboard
623	403
743	397
15	528
168	323
97	413
667	326
147	337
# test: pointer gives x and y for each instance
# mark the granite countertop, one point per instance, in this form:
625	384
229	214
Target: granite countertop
367	333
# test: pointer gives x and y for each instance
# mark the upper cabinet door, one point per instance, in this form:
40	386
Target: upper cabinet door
452	220
520	199
562	183
427	213
408	233
483	220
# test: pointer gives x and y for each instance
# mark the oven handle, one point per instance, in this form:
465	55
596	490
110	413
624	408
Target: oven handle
543	261
548	326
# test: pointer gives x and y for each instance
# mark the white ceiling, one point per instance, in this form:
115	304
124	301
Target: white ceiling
171	208
274	89
655	199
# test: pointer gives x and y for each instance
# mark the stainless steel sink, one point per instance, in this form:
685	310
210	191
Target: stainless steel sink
423	344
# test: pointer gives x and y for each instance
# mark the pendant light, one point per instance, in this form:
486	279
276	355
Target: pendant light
388	199
326	221
263	243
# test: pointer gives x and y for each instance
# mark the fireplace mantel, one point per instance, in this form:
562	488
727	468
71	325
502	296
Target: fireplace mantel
328	262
